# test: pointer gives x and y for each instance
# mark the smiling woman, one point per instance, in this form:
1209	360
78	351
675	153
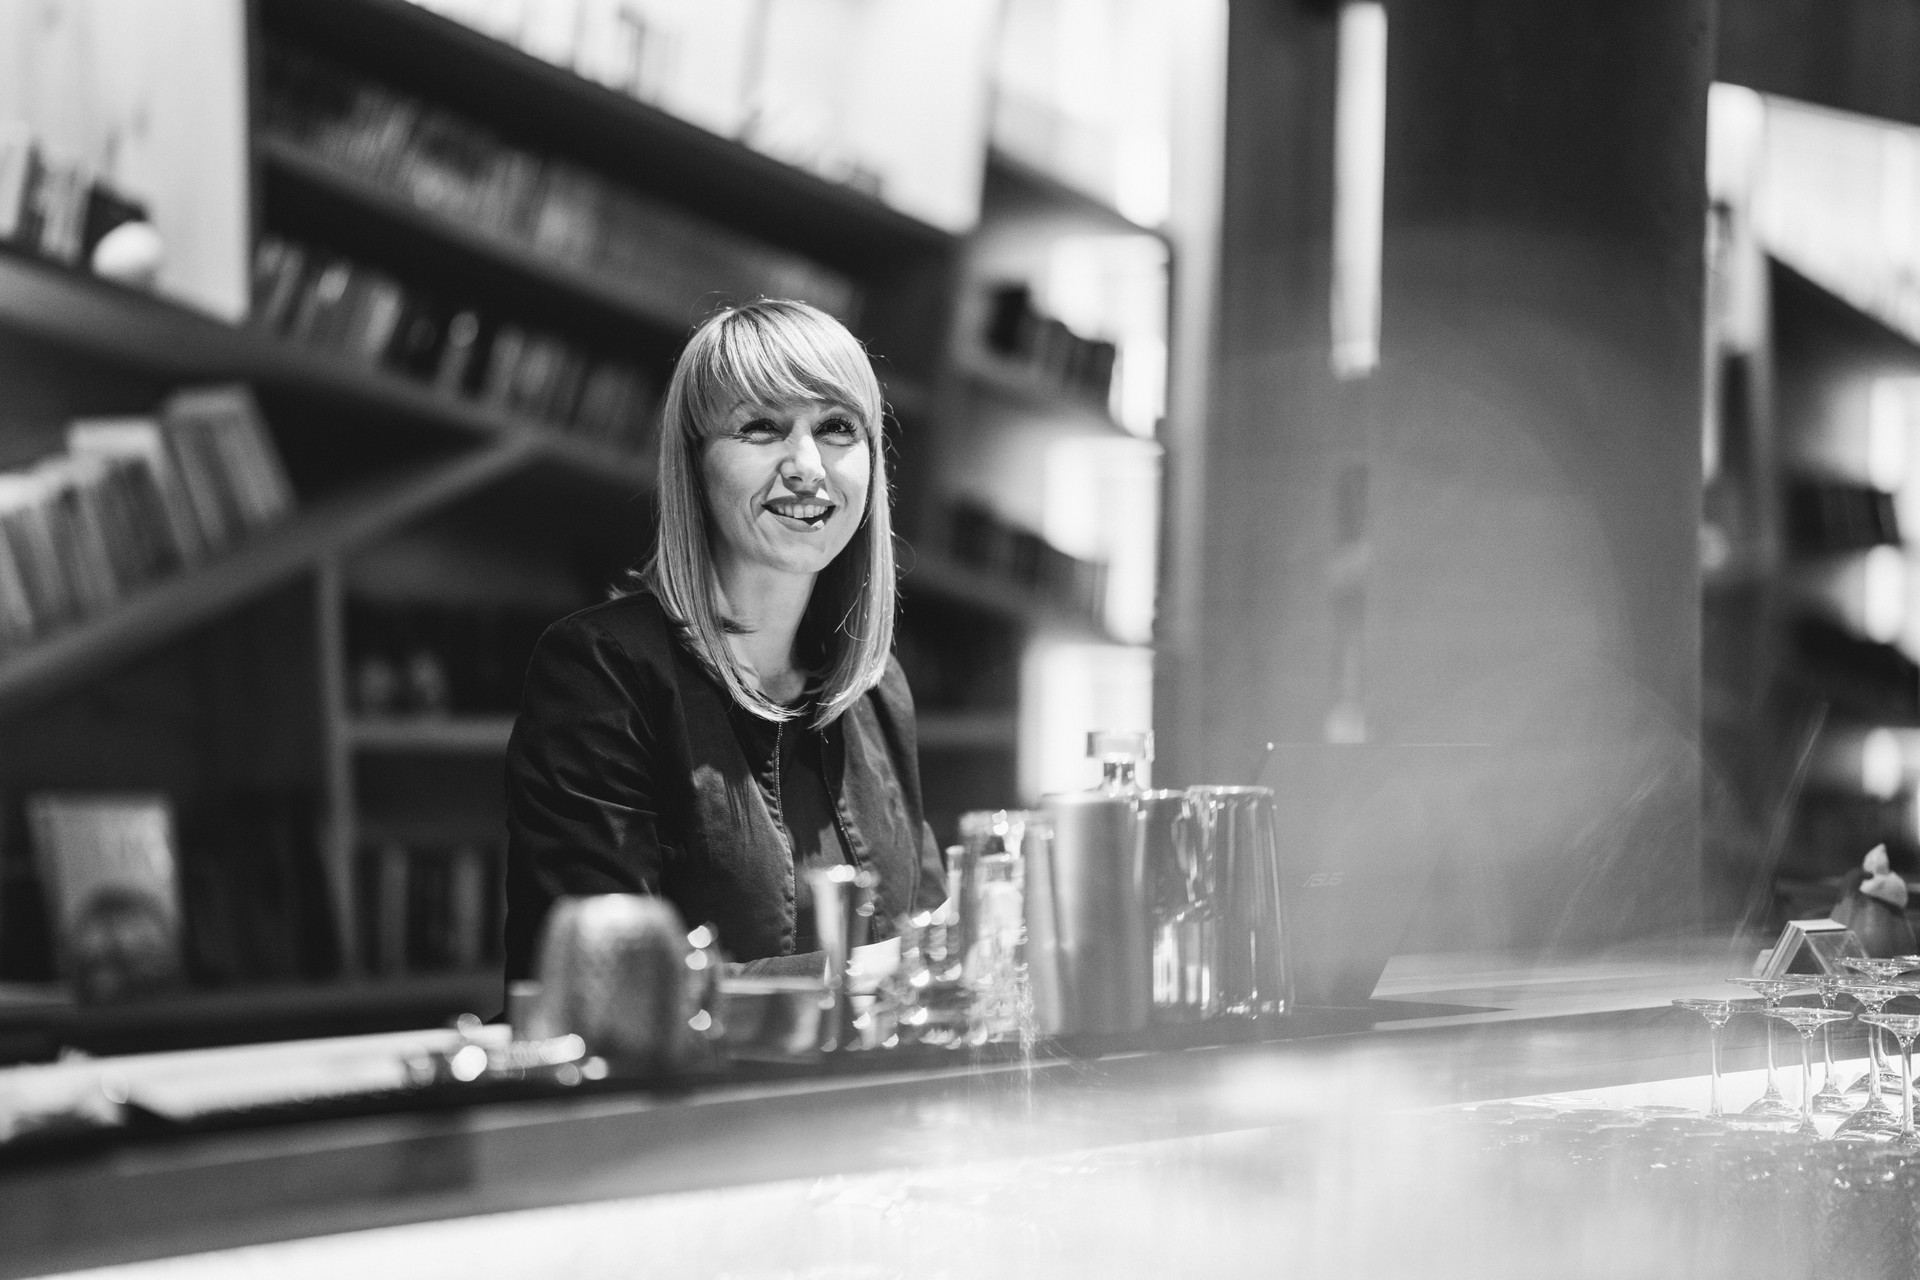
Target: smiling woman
737	718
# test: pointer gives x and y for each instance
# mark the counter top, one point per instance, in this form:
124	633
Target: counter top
1565	1027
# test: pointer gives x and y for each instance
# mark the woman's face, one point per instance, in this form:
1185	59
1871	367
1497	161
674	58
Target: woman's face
786	485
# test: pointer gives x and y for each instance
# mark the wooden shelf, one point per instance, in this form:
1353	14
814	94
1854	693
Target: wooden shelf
444	735
159	611
968	730
394	213
962	584
1015	186
135	329
526	98
1033	391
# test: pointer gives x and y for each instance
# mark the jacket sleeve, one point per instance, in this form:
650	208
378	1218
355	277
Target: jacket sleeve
580	783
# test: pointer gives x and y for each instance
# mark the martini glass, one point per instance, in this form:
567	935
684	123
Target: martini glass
1876	1119
1831	1100
1904	1027
1874	994
1717	1013
1772	1105
1804	1020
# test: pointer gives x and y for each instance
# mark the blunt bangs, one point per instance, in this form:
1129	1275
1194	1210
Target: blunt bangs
775	353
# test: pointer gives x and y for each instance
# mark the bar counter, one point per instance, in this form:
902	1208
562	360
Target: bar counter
1309	1151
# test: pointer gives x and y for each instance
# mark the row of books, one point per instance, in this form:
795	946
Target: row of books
676	263
981	538
54	207
1830	516
133	500
1019	332
428	908
135	900
422	658
324	300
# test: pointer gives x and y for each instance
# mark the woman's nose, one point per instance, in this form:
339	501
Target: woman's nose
802	468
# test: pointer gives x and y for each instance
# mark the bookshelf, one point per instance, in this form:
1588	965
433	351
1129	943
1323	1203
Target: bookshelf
418	499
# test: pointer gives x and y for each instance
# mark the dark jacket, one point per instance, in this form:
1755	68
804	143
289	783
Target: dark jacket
631	770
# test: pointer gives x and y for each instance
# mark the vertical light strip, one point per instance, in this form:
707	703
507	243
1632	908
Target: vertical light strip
1359	179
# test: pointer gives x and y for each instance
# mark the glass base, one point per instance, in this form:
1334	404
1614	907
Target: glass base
1830	1102
1872	1122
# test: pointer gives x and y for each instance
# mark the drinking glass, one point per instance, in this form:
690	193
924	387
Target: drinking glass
1772	1105
1875	1119
1904	1027
1804	1020
1717	1013
1831	1100
1874	993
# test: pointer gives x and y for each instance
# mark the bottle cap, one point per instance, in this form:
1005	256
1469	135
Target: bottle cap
1120	744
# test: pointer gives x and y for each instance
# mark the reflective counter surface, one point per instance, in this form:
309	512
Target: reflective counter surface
1339	1155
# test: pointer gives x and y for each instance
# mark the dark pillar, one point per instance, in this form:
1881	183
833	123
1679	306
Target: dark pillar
1492	539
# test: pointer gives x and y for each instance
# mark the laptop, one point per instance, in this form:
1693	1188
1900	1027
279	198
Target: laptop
1360	829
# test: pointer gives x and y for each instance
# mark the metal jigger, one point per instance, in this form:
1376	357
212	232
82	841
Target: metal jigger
842	911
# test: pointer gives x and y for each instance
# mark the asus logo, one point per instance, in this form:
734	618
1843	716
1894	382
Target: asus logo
1325	879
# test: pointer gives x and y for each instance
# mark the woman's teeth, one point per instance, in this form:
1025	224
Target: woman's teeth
807	512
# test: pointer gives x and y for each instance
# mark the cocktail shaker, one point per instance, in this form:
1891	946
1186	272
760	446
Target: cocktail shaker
1232	834
1087	952
614	971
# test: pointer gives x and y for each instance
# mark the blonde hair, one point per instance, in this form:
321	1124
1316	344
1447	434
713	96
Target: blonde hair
777	353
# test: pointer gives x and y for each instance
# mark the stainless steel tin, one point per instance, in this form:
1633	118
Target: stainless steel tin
614	971
1232	829
1087	950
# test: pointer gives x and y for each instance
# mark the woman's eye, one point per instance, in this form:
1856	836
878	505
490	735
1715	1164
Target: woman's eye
839	429
760	429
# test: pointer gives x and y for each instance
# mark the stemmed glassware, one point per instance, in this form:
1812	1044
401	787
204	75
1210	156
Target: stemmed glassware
1876	1118
1831	1100
1772	1105
1804	1020
1881	972
1904	1027
1717	1013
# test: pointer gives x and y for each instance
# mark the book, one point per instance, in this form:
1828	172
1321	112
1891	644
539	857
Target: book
108	864
77	535
279	272
241	449
18	159
141	440
17	621
26	523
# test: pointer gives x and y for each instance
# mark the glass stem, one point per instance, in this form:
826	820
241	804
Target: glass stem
1773	1079
1713	1087
1806	1078
1826	1057
1874	1096
1906	1088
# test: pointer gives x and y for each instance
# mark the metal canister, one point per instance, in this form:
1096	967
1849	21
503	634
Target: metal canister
613	971
1087	949
1233	833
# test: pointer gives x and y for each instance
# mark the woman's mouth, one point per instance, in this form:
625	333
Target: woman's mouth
807	513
